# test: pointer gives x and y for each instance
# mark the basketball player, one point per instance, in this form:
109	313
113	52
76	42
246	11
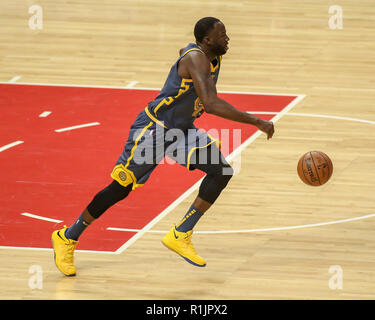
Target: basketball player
189	90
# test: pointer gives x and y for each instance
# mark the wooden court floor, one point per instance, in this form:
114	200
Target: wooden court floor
296	241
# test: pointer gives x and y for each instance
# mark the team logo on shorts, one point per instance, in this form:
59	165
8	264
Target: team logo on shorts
122	175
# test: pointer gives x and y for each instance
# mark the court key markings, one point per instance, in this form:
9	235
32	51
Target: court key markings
43	115
147	228
78	127
30	215
10	145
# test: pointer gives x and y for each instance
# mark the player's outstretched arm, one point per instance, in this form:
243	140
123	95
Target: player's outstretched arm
198	67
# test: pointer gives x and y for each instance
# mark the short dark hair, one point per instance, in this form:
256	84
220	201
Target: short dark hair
203	27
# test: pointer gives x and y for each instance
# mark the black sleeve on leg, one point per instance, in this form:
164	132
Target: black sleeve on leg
218	170
106	198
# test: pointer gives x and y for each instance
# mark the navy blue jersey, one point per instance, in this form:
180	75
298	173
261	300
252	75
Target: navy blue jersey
177	104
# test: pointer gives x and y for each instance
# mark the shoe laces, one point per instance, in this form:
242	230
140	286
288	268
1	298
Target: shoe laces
189	244
69	255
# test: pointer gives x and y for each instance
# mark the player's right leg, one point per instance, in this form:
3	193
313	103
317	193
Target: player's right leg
65	240
130	172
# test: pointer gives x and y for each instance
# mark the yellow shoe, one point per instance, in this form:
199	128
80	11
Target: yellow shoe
180	242
64	252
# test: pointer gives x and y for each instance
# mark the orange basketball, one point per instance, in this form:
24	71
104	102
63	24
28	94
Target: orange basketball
315	168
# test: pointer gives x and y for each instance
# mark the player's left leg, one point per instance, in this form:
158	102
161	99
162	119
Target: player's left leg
218	173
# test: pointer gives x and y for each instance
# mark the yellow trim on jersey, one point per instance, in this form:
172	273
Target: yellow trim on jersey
154	119
213	69
193	49
136	143
191	152
165	101
184	86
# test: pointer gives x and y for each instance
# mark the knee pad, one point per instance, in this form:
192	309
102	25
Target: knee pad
221	180
213	184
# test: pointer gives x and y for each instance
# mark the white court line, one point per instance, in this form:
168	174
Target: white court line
51	250
243	230
14	79
197	184
10	145
45	182
78	127
34	216
188	192
131	85
319	224
45	114
298	98
238	150
312	115
144	88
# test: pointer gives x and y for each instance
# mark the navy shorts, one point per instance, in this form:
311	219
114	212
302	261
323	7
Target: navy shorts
150	143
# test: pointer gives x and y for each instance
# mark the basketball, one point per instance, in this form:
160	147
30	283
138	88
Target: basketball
315	168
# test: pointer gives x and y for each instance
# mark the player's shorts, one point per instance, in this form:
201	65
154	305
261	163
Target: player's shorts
150	143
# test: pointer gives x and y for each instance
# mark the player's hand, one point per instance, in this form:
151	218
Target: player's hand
267	127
